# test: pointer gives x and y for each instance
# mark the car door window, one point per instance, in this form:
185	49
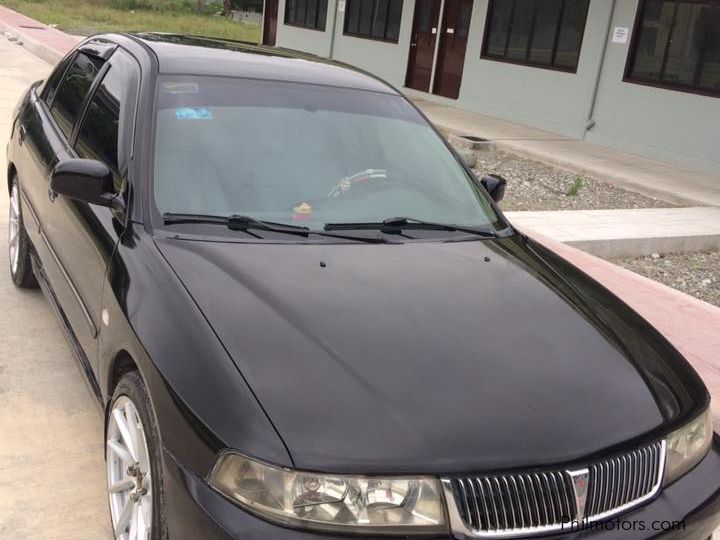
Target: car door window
75	85
101	135
54	80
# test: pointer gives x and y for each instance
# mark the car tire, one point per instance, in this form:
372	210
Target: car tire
19	245
140	471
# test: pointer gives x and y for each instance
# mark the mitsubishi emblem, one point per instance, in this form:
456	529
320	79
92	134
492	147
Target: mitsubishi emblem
580	487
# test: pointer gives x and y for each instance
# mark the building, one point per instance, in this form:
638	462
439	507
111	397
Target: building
639	75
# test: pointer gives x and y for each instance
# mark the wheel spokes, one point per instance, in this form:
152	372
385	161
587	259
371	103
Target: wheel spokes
125	516
122	485
14	204
124	430
116	448
129	473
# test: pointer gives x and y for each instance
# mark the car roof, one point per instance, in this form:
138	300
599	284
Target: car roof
195	55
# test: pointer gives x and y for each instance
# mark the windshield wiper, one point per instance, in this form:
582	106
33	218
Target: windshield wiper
243	223
235	223
395	223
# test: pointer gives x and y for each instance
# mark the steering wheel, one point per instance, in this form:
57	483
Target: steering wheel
346	184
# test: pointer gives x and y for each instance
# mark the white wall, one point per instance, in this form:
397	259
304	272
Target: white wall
304	39
661	123
541	98
386	60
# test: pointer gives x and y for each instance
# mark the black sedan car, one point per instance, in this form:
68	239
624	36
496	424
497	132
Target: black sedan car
305	318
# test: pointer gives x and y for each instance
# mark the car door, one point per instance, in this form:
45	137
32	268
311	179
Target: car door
86	234
46	127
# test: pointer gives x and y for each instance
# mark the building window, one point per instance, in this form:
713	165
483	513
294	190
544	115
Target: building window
373	19
542	33
677	45
306	13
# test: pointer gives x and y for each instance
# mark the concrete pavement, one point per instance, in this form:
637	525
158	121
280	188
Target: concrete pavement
666	181
52	469
620	233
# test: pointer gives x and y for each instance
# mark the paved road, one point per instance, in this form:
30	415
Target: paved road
52	484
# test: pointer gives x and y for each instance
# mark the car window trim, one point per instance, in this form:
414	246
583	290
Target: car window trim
67	140
43	96
136	97
86	102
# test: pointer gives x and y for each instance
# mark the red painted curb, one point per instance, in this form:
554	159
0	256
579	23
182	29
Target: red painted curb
43	41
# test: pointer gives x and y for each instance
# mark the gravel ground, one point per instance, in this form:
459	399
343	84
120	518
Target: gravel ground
696	274
536	186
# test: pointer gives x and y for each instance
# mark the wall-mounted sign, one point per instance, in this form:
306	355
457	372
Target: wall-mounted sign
620	34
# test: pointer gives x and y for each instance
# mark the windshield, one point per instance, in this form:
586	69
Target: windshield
304	154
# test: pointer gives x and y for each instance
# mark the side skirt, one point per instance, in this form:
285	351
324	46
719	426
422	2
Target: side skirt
78	353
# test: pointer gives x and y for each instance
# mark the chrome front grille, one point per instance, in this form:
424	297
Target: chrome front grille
515	501
521	504
616	482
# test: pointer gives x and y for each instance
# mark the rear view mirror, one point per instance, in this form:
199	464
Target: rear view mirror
85	180
494	184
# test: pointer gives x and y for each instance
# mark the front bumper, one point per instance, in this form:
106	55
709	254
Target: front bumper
195	511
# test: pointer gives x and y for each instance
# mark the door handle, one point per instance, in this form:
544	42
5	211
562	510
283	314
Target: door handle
22	131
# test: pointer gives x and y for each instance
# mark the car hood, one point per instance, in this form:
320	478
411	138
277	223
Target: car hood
434	357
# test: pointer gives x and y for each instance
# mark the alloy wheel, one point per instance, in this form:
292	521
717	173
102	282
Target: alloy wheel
14	229
129	473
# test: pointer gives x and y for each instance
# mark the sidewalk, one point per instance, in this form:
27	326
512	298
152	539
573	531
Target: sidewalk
673	183
627	233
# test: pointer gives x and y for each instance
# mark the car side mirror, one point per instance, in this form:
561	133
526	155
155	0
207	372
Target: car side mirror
85	180
494	184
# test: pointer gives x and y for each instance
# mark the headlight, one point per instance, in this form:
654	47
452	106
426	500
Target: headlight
687	446
372	505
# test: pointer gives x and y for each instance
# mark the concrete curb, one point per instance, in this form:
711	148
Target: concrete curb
628	232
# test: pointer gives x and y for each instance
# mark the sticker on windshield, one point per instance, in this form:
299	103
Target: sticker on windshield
193	113
177	87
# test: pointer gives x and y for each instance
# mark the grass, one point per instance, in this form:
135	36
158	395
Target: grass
575	187
85	17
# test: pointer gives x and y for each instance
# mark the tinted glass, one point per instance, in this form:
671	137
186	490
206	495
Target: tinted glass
499	28
547	19
307	13
380	19
678	45
710	72
101	132
394	16
572	28
366	10
73	89
54	80
651	41
234	146
545	33
352	17
375	19
520	26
